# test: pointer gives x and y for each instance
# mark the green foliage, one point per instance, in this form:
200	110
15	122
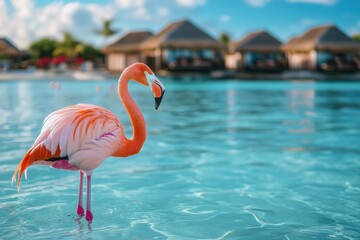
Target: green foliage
43	48
224	38
69	47
106	29
356	37
90	52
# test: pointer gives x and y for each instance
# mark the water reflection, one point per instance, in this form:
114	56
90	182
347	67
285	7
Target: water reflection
301	105
25	105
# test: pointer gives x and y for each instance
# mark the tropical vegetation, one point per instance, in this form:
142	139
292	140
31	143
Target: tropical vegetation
224	38
48	51
356	37
106	31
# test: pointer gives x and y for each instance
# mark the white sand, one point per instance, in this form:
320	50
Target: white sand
50	75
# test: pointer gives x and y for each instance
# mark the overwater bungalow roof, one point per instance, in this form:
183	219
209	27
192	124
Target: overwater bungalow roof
8	48
328	37
181	34
130	42
256	41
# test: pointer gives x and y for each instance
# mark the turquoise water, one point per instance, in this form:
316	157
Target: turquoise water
223	160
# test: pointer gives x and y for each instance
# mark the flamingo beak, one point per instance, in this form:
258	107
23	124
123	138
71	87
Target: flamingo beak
158	99
156	87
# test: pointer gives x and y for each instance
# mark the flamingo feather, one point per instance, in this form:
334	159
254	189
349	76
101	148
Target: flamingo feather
82	136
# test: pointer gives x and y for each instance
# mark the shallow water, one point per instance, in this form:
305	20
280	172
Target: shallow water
223	160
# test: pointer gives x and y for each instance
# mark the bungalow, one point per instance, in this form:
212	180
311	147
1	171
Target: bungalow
182	46
257	51
324	48
125	51
9	54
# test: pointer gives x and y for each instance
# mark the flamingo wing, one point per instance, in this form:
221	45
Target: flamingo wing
82	135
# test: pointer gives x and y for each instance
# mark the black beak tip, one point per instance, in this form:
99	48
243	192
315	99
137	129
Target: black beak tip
158	100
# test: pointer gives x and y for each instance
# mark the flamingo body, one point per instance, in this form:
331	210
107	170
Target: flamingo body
82	136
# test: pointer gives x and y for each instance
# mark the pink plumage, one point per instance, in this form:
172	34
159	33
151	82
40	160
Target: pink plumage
82	136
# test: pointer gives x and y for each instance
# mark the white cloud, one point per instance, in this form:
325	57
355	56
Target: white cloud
18	28
225	18
107	11
126	4
142	13
133	9
163	11
24	8
257	3
261	3
321	2
22	22
190	3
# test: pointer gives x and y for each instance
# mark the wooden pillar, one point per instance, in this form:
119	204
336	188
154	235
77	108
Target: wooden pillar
142	57
158	58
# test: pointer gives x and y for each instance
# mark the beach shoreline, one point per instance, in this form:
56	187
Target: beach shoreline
98	75
52	75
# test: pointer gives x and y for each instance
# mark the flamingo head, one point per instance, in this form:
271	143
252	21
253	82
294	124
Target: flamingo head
156	87
144	75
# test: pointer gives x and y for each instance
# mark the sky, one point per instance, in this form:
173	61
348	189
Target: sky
24	21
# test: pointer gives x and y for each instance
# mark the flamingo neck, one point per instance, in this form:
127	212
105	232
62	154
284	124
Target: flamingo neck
134	144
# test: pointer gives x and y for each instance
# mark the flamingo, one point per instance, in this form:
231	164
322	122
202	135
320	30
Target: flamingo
82	136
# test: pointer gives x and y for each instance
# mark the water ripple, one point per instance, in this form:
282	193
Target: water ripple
222	160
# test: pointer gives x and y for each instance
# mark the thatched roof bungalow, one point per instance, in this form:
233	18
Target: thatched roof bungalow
7	48
10	55
257	51
183	46
125	50
324	48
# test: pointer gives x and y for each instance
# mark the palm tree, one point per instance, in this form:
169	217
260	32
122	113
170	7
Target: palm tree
69	47
106	31
224	38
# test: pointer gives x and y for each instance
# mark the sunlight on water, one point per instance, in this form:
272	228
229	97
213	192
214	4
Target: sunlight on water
223	160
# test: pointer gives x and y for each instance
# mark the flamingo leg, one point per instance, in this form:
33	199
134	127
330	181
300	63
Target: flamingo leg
80	209
89	215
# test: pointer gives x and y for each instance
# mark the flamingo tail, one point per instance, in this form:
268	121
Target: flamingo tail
21	169
39	152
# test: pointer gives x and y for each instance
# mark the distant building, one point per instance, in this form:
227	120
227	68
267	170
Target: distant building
7	48
125	51
257	51
9	54
324	48
182	46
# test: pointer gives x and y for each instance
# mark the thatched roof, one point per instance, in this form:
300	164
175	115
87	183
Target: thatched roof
260	41
130	42
8	48
181	34
327	37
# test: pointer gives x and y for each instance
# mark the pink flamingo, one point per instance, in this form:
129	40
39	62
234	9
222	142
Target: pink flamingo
82	136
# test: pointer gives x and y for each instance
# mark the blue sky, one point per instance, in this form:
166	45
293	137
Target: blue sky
26	20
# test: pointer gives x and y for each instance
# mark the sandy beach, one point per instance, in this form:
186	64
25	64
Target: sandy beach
51	75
